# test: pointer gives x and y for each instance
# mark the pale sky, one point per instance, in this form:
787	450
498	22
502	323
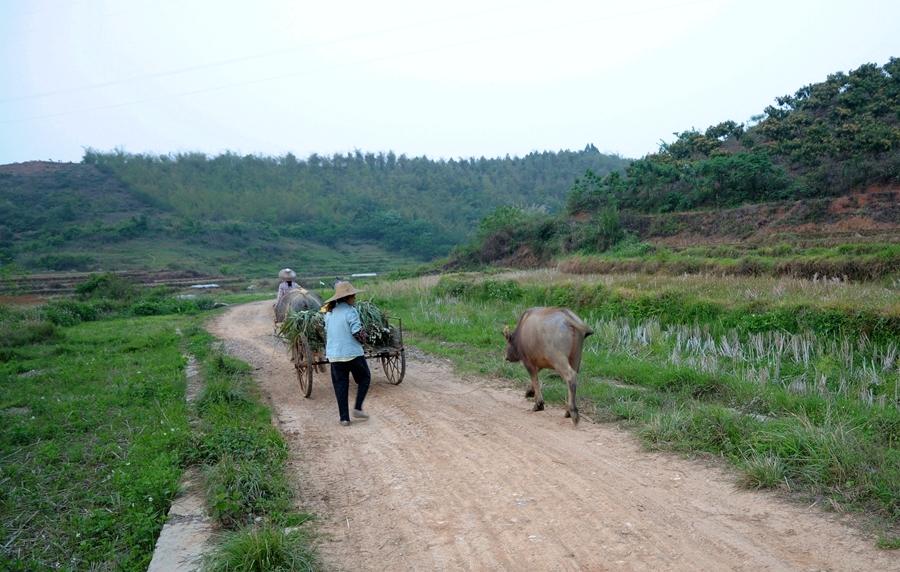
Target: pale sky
467	78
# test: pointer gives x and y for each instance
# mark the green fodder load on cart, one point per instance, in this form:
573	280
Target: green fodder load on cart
311	323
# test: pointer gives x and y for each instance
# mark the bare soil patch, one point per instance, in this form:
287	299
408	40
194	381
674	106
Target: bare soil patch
459	474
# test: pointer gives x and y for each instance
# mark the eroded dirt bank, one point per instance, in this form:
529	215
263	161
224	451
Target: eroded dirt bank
454	474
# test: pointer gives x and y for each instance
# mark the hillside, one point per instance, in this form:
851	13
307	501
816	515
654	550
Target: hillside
75	219
856	236
230	215
39	194
827	140
818	170
809	188
415	206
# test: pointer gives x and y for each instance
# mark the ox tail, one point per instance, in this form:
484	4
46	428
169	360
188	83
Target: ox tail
576	323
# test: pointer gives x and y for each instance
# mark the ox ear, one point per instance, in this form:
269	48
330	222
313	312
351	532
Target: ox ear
506	333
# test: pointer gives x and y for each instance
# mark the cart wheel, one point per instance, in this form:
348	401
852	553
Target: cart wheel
303	364
394	367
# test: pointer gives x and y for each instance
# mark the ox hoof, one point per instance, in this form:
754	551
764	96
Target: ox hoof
568	414
538	407
574	415
529	392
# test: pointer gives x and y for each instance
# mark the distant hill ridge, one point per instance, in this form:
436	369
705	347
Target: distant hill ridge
65	216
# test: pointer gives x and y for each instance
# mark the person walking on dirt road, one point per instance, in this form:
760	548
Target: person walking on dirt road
344	336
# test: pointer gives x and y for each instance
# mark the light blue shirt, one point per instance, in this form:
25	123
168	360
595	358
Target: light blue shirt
340	325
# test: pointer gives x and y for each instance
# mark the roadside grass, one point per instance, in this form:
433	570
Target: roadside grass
95	434
244	474
790	258
264	547
774	376
93	424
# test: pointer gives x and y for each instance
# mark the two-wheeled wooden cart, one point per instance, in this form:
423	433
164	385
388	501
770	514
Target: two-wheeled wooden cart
392	358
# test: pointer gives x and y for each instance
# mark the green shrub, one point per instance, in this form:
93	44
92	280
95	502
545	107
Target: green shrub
107	286
21	333
167	306
69	312
64	261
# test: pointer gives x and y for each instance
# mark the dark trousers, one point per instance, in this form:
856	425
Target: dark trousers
340	378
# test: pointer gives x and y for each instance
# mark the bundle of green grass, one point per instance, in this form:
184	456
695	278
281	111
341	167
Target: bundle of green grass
311	323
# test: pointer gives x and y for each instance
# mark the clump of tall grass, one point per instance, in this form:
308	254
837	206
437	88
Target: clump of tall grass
225	392
762	471
238	490
264	547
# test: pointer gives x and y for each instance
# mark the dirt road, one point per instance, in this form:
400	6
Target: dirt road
460	474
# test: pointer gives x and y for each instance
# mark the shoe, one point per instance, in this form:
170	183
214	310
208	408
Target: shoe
360	415
345	423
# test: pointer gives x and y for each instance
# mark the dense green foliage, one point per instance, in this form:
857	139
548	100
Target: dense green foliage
414	205
518	237
824	141
249	215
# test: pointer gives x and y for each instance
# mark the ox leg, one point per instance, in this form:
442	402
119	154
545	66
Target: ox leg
535	390
571	408
317	358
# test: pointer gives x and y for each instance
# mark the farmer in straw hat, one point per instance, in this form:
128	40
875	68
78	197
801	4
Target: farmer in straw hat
287	283
344	336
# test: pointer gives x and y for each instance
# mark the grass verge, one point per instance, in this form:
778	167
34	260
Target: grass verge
95	434
244	475
93	424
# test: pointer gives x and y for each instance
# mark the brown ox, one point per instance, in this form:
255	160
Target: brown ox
548	338
297	299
